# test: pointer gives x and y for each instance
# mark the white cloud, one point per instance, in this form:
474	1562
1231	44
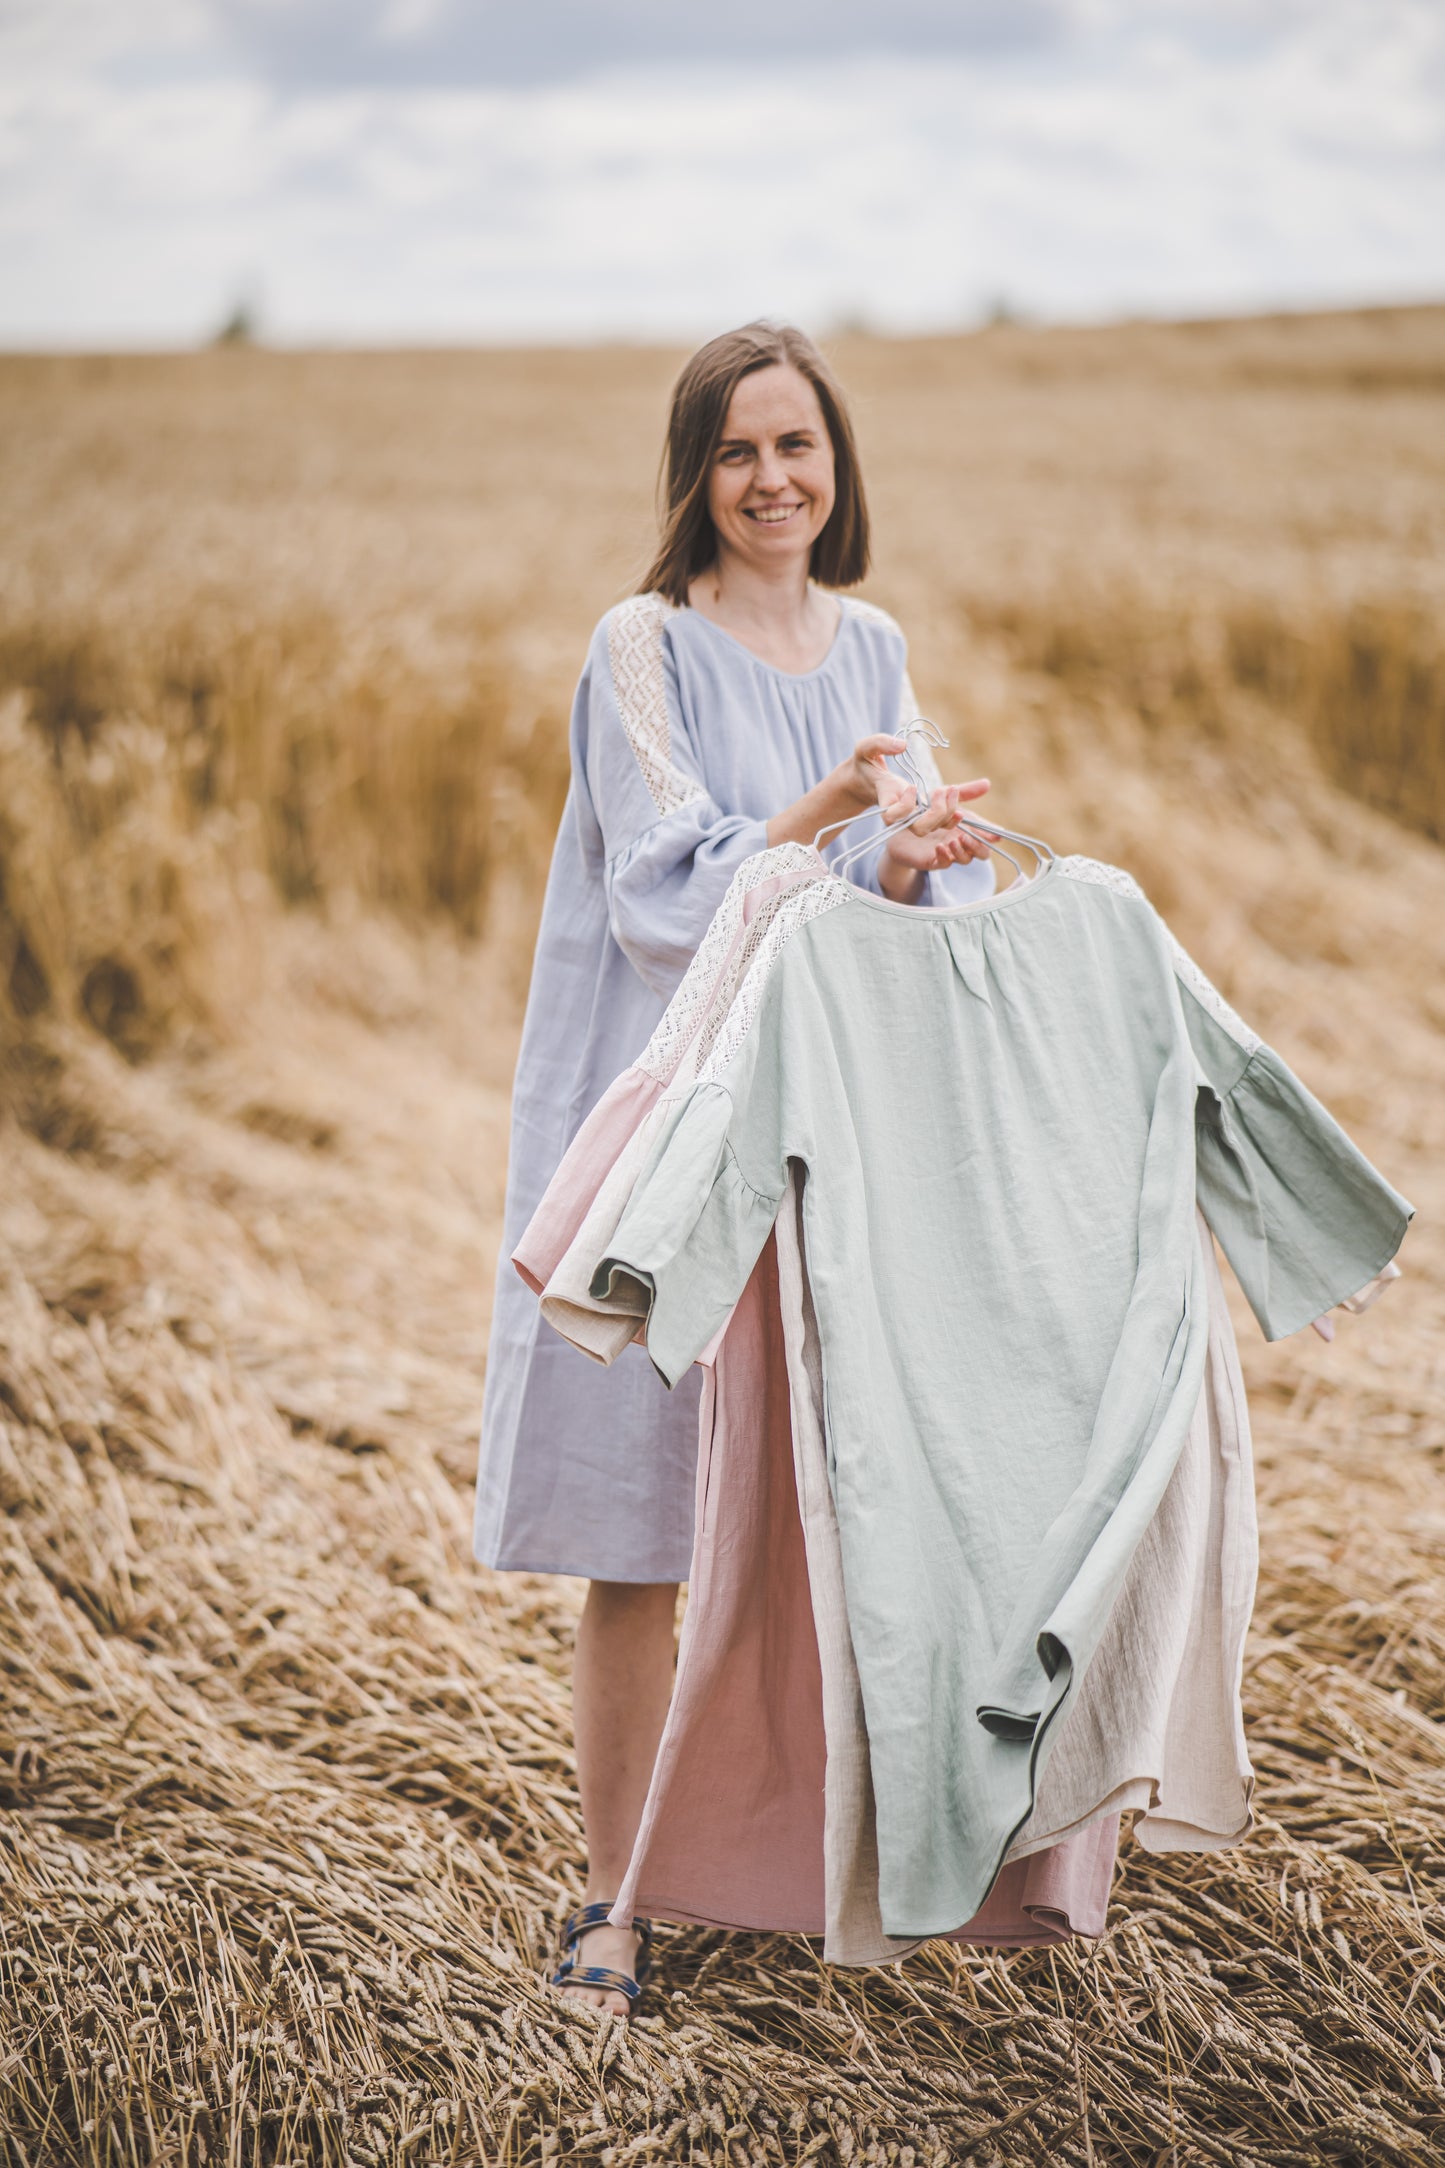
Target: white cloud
1158	157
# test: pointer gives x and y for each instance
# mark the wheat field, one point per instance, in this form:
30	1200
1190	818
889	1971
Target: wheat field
286	1805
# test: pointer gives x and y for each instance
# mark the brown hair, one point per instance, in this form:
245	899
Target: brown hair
700	400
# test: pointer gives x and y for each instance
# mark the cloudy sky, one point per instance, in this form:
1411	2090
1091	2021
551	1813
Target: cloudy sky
388	170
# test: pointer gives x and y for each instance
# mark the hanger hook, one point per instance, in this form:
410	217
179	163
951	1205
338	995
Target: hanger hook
908	768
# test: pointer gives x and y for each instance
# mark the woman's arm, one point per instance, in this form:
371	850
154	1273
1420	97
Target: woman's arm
854	786
661	847
862	782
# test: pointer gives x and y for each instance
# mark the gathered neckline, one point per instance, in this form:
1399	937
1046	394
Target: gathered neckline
789	677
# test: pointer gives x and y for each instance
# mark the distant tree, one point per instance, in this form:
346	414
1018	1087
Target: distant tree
853	322
242	326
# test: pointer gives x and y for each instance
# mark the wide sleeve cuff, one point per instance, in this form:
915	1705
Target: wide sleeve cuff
1304	1219
689	1239
664	887
600	1327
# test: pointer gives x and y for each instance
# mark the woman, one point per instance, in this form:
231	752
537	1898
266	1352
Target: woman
732	704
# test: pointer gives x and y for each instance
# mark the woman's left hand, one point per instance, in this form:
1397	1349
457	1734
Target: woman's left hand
935	839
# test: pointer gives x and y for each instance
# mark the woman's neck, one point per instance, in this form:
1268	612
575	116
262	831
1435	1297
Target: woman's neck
778	614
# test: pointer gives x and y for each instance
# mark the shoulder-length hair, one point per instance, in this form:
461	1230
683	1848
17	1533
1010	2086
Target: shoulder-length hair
700	401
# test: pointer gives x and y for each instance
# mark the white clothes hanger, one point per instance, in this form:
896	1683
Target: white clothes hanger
912	772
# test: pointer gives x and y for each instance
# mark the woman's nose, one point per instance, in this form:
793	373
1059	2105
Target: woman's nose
771	472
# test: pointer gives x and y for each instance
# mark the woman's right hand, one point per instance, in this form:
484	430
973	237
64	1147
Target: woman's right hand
851	788
864	780
932	837
867	780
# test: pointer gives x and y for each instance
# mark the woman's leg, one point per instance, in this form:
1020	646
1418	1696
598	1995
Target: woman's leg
621	1685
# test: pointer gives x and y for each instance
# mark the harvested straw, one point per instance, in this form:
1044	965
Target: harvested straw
286	1804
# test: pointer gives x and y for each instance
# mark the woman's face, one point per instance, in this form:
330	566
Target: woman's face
771	487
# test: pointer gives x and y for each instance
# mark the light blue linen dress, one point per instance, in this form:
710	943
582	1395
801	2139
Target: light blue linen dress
683	744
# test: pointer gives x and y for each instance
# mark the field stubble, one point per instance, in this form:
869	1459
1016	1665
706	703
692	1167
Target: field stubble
285	650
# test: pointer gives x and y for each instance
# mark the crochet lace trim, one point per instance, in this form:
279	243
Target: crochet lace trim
694	1016
870	613
1102	876
1186	970
797	908
634	649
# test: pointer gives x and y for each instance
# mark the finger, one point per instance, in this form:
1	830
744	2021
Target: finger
898	802
937	815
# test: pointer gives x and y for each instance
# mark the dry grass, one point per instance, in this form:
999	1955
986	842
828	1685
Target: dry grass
287	1815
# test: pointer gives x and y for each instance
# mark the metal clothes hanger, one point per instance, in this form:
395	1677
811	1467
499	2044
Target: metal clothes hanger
911	771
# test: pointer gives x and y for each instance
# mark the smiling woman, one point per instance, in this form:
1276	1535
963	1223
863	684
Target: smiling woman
737	702
766	509
760	443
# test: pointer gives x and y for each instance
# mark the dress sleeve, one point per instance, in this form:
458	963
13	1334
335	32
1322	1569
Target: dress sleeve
1304	1219
668	850
599	1329
691	1234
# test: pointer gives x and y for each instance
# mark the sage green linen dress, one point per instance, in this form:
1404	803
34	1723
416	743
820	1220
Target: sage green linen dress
1005	1112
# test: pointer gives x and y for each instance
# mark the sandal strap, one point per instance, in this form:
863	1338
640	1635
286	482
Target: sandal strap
586	1917
570	1974
582	1921
621	1983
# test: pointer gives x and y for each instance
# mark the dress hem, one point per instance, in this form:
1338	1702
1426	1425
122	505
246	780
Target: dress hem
583	1573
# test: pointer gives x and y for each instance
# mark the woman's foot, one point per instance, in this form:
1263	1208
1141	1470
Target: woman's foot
603	1966
616	1949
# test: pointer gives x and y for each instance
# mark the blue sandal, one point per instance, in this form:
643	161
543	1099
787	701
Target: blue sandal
568	1973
